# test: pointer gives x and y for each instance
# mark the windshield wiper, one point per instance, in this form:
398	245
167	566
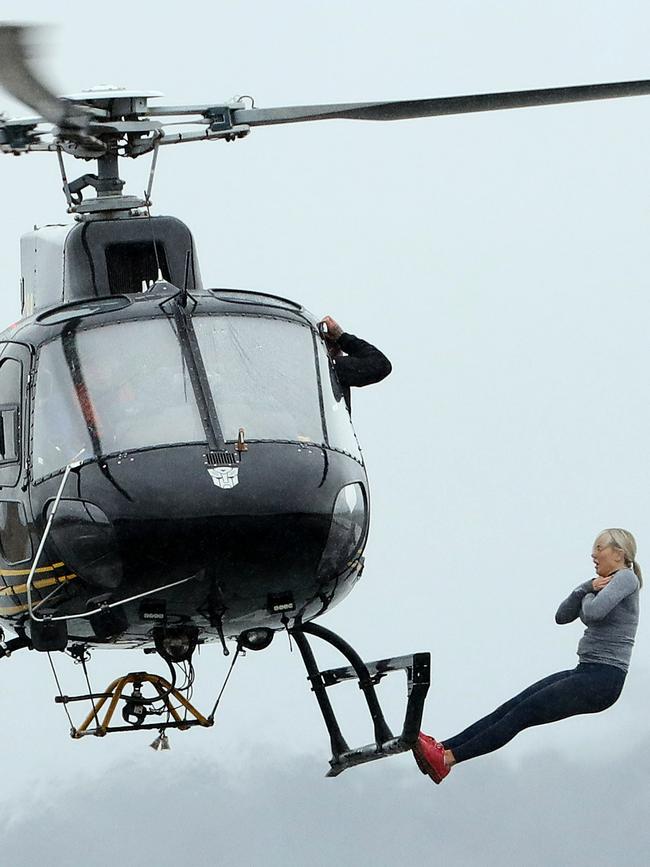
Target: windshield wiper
88	412
193	360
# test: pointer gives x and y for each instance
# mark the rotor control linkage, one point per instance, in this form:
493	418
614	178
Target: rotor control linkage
102	185
417	667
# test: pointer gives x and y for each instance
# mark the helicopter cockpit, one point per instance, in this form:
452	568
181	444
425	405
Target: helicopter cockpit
118	386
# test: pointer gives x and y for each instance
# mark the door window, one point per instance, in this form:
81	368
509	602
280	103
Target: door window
10	389
15	542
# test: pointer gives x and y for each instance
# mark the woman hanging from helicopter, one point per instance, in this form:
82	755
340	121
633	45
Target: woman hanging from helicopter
608	605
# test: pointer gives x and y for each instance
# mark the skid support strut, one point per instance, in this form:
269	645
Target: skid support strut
417	667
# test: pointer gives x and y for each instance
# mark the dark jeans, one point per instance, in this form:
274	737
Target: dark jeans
589	688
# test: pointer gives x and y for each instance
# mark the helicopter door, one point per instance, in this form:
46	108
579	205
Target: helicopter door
15	541
14	366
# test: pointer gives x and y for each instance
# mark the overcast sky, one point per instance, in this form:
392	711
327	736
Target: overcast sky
501	261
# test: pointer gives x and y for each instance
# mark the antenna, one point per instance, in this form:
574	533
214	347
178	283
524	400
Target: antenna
152	171
155	245
187	271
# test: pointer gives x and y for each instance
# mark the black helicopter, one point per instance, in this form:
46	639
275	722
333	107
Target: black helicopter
177	463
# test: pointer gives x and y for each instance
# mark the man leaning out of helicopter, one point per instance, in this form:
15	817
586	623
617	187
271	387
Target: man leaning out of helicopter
356	362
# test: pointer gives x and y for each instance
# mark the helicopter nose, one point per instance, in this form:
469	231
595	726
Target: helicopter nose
164	515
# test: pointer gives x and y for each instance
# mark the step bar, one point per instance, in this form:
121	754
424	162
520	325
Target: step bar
418	673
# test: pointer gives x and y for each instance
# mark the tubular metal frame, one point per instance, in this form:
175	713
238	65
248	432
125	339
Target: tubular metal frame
417	667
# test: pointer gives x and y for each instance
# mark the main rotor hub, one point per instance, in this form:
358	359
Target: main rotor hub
103	123
117	102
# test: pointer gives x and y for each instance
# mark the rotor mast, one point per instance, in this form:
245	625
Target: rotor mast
116	126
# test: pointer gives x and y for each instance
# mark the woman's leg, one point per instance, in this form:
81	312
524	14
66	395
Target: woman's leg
504	709
586	689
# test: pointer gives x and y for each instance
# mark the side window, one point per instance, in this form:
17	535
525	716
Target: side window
340	433
8	434
10	394
15	542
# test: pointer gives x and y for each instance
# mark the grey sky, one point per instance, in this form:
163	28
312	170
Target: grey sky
542	811
501	261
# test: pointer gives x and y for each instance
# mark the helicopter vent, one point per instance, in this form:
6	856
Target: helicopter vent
221	459
131	264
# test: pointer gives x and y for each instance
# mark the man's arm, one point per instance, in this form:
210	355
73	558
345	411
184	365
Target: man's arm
363	363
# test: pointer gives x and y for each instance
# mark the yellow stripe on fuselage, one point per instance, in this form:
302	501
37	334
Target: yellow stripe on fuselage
44	582
27	571
22	588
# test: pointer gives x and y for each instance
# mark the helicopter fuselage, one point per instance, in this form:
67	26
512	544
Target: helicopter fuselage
216	481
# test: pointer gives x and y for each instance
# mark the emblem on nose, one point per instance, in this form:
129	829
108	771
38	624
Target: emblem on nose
224	477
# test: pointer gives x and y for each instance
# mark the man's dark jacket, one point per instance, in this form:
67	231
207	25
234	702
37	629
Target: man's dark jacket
363	364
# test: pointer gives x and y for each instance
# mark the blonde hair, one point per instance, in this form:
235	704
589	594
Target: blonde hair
624	541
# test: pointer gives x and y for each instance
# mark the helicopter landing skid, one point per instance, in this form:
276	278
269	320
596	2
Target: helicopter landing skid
417	667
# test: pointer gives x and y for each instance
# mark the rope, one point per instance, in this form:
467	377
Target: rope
285	620
232	665
90	691
65	706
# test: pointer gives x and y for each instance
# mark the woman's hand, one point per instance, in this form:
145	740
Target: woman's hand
600	582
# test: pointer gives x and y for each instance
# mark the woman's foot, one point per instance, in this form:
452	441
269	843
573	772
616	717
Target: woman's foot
430	757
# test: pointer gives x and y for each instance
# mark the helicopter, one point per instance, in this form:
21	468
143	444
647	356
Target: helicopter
168	477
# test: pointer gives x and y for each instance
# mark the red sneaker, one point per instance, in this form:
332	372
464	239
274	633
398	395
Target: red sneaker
430	757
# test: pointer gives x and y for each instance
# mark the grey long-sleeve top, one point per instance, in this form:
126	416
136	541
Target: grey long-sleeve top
611	617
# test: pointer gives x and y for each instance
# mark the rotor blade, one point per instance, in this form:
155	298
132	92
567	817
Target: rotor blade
439	106
19	78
